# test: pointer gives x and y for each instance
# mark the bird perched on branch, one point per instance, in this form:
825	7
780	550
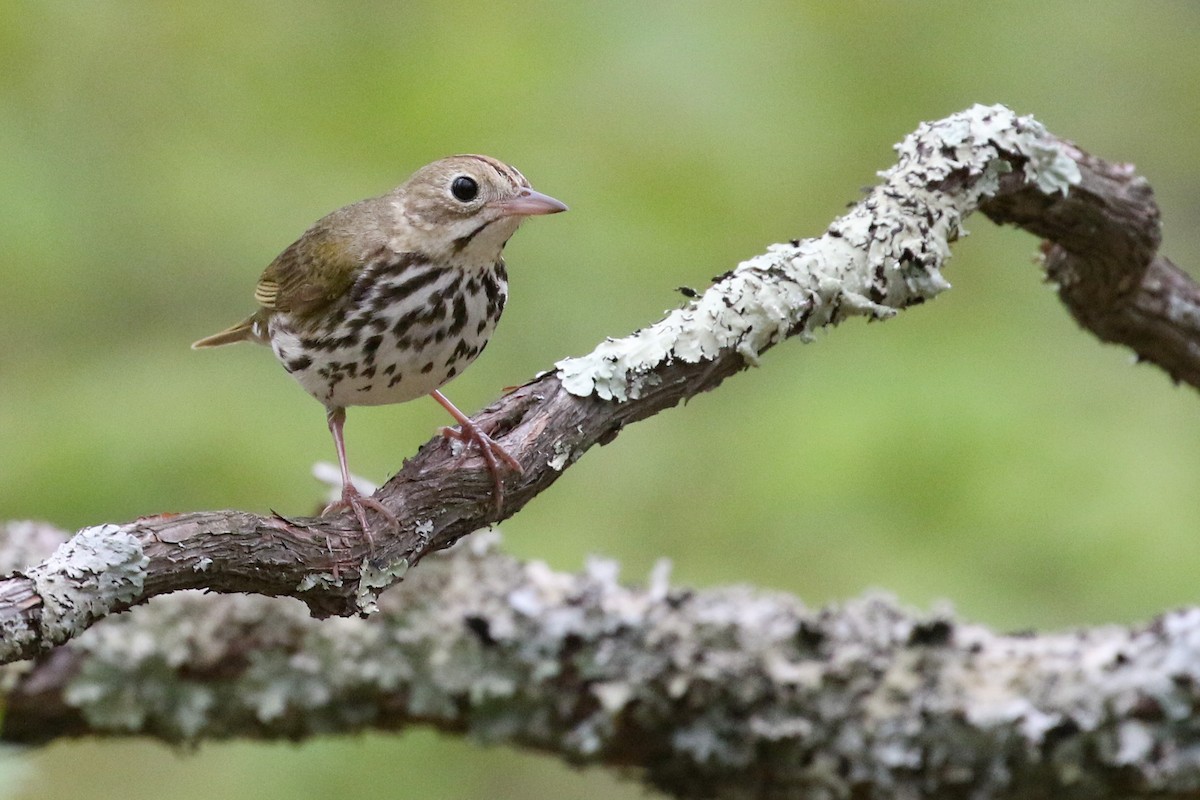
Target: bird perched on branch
389	298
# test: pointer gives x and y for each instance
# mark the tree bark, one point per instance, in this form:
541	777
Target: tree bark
850	700
719	693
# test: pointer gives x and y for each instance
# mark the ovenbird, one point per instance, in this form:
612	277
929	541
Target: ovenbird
389	298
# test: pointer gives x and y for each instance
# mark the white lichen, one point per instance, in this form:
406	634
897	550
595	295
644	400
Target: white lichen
424	529
727	685
94	571
315	580
887	253
563	455
373	578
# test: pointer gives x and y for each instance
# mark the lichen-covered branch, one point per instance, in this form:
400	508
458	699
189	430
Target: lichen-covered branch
728	693
886	254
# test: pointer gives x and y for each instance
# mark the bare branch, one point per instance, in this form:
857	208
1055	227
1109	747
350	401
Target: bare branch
1102	252
885	255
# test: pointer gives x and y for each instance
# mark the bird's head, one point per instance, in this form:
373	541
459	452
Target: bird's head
464	208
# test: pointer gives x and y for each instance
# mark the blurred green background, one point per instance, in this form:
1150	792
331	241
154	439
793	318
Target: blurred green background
155	156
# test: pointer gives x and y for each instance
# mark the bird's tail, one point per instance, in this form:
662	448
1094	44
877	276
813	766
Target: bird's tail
245	331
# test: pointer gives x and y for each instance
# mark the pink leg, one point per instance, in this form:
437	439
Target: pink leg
351	497
489	448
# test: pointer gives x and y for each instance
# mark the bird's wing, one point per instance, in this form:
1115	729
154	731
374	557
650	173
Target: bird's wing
311	274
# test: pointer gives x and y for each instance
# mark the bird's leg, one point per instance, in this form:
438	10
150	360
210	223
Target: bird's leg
489	448
351	497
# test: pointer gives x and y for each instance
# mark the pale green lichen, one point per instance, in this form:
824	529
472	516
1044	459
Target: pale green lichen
424	529
728	689
563	455
132	682
885	254
314	580
375	577
97	569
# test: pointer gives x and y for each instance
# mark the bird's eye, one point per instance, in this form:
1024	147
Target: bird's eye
464	188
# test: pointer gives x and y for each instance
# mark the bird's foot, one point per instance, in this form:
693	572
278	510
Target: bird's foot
493	454
357	502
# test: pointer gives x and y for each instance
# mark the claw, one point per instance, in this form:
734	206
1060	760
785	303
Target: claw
491	450
351	497
359	503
